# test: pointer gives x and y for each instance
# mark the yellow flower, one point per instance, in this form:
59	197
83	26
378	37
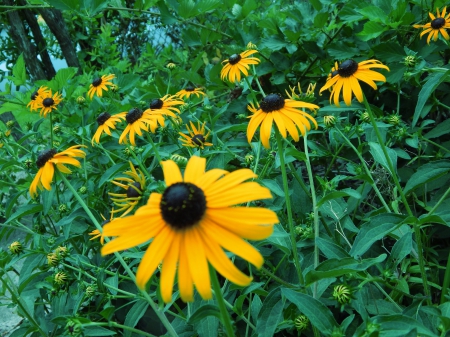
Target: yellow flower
165	106
134	186
46	162
106	121
286	115
99	84
96	233
191	223
34	97
236	64
197	137
347	77
138	120
46	102
190	91
437	25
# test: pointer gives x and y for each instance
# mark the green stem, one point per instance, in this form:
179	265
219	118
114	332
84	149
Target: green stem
155	150
153	305
288	207
417	233
255	100
315	209
257	81
119	326
363	163
446	282
435	144
226	320
441	200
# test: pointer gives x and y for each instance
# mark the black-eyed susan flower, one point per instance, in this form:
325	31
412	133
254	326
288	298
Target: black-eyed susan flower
134	185
138	120
196	137
347	77
189	91
105	122
285	113
165	106
46	102
437	25
99	84
46	162
237	64
34	97
191	222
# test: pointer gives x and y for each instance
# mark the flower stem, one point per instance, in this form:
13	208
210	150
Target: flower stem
446	282
255	100
288	207
416	226
153	305
257	81
315	209
226	320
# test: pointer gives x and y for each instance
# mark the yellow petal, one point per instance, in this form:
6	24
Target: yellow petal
171	172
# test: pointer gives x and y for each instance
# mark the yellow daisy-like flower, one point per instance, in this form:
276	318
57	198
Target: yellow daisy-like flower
139	120
105	122
99	84
196	137
437	25
190	91
134	186
237	64
286	115
96	233
46	162
165	106
46	102
191	223
34	97
346	79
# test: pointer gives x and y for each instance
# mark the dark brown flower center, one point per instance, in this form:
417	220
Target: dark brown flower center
96	82
48	102
133	115
272	102
235	58
34	95
182	205
156	104
44	157
438	23
334	73
347	68
190	89
134	192
198	140
103	117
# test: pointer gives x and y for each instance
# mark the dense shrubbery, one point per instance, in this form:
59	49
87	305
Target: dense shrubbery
359	204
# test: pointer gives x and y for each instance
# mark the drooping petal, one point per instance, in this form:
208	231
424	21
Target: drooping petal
169	268
171	172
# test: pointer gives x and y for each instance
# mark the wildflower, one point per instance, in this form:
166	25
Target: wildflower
61	251
284	112
15	247
137	120
346	79
46	162
196	137
236	64
134	187
106	121
165	106
437	25
60	278
46	102
301	322
342	293
99	84
190	223
34	97
52	259
189	91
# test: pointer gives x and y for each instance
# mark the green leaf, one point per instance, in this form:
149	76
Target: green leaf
24	210
318	314
330	249
111	172
187	9
316	4
166	17
371	30
280	238
204	6
442	129
338	267
202	312
12	203
374	14
19	72
378	155
274	43
295	153
389	52
321	19
427	173
338	194
341	51
92	7
65	4
134	315
270	315
273	186
97	331
370	232
401	325
402	248
434	80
